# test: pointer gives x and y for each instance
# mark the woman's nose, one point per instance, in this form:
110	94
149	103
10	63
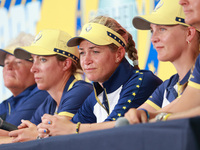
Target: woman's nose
154	38
87	59
34	68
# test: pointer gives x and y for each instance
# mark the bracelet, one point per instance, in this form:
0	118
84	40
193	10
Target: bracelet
38	137
160	116
77	127
166	116
147	113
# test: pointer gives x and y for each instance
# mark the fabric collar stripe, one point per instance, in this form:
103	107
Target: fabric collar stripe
115	38
66	54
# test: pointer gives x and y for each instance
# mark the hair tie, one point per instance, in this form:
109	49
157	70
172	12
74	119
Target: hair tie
135	62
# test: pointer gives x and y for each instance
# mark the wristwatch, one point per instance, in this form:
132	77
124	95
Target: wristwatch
160	116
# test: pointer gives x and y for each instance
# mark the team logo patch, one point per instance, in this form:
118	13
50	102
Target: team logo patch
160	4
88	28
37	37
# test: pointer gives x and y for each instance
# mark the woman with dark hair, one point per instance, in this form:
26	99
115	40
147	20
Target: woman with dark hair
54	68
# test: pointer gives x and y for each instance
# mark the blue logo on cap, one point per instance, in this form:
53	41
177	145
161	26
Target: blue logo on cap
159	5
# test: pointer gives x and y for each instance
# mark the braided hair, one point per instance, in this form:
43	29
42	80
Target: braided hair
114	25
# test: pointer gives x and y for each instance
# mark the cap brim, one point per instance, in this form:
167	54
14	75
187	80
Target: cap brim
143	22
3	53
97	34
26	52
75	41
96	41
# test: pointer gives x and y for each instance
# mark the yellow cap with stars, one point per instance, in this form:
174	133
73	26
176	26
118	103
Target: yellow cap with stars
166	12
98	34
49	42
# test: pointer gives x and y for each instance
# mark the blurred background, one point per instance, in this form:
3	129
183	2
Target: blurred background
31	16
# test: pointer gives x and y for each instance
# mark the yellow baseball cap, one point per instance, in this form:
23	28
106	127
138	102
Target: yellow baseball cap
166	12
3	53
23	39
49	42
8	50
98	34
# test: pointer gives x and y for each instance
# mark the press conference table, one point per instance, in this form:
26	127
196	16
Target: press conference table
183	134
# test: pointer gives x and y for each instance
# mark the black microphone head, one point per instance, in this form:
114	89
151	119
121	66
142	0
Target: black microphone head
7	126
1	121
122	121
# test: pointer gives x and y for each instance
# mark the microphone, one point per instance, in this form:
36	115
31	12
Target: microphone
7	126
122	121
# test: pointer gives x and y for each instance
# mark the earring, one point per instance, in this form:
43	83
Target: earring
188	41
117	61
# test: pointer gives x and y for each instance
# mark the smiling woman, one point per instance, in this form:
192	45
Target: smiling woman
190	99
176	42
188	105
163	36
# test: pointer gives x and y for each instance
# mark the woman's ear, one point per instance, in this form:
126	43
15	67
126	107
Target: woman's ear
120	54
67	64
191	34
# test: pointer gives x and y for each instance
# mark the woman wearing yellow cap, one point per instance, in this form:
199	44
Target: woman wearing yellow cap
176	42
190	99
26	97
118	85
54	67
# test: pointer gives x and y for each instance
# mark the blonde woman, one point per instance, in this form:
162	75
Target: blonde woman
188	105
118	86
176	42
